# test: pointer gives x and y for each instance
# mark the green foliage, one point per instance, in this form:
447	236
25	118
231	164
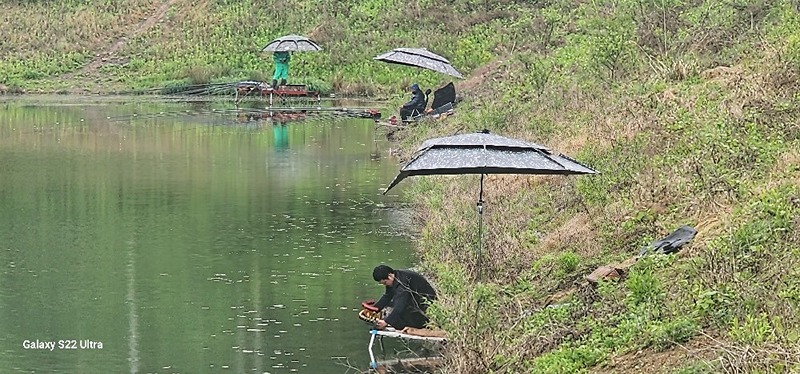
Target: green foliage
540	70
641	221
694	368
772	217
617	167
610	47
754	329
200	74
187	44
713	304
568	359
668	148
568	262
474	49
786	35
319	85
643	283
174	87
665	335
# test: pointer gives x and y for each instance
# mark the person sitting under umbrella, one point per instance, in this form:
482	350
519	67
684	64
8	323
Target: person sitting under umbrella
416	105
281	59
409	294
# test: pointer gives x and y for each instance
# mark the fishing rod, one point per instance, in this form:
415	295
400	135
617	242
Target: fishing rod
187	90
185	112
261	112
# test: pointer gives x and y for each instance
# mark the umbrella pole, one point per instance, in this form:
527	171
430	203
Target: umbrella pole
480	227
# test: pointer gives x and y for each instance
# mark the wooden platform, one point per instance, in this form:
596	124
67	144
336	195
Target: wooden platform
280	93
392	333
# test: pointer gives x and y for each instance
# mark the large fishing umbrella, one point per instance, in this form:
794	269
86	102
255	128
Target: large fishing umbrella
292	43
419	57
484	153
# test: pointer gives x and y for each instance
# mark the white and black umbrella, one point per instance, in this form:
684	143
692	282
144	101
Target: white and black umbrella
292	43
419	57
484	153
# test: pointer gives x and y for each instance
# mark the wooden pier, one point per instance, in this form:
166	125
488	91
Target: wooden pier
279	94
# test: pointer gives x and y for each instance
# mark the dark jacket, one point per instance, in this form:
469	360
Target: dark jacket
409	293
417	100
281	57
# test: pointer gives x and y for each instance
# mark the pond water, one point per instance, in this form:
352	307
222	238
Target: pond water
173	237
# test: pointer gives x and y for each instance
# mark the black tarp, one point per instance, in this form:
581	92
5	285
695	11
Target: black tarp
672	242
443	96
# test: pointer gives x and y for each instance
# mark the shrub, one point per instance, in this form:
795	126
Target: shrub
667	334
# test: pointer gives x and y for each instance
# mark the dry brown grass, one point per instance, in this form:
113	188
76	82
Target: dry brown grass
115	45
652	361
736	358
578	141
348	88
327	32
780	173
577	234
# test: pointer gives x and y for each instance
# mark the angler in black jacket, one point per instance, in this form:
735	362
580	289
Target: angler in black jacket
409	294
416	104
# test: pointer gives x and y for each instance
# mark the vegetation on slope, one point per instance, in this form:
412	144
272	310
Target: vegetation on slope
689	110
690	113
198	42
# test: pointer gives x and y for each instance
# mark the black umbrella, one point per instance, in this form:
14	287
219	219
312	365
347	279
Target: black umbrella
292	43
419	57
484	153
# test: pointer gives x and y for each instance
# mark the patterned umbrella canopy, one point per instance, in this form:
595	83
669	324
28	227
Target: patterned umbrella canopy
484	153
419	57
292	43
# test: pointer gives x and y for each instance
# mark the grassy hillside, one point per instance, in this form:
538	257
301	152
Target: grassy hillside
689	109
220	41
690	112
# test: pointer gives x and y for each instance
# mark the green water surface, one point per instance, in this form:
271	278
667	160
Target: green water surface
188	239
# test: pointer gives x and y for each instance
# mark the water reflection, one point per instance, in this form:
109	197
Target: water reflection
186	244
281	133
133	317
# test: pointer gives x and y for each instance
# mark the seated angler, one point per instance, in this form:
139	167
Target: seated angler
416	105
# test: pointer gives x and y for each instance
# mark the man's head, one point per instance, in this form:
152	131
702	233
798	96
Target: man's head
414	87
383	275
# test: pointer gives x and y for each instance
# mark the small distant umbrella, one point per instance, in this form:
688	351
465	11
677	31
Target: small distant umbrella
419	57
292	43
484	153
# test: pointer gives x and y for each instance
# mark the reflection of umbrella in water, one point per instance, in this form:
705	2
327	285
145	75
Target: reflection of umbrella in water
483	153
419	57
292	43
